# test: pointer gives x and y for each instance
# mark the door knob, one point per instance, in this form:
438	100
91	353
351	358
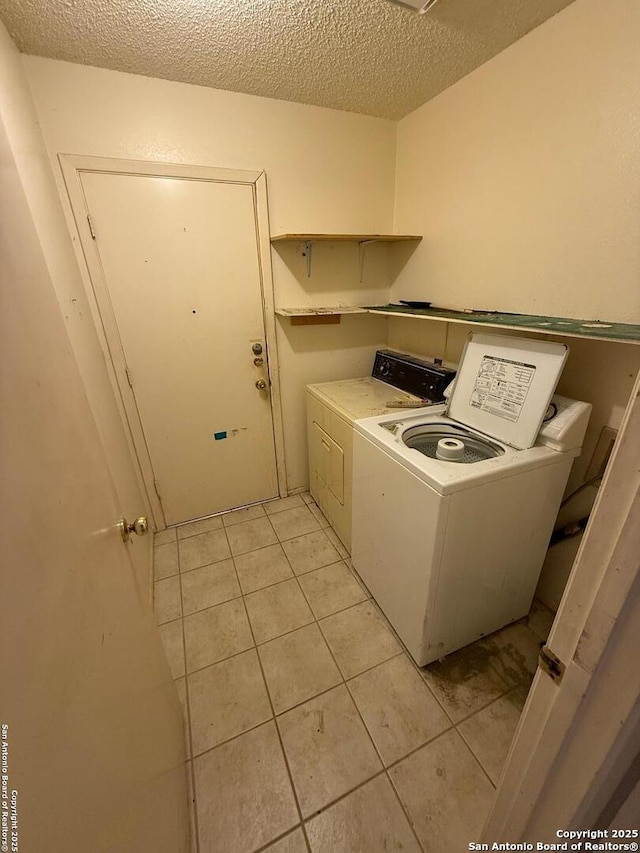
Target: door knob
261	384
140	526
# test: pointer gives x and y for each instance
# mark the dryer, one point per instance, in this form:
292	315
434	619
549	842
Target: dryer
453	506
398	380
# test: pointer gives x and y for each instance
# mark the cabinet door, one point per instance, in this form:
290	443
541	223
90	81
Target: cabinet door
329	462
330	444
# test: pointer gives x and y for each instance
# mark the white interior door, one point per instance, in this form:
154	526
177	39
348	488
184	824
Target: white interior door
93	733
180	264
571	764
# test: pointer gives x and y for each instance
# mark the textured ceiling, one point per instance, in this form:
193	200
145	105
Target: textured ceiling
363	56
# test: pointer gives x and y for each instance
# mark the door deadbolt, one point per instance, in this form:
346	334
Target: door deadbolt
261	384
140	526
256	349
258	361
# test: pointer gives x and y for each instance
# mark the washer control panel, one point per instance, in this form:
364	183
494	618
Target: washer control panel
423	378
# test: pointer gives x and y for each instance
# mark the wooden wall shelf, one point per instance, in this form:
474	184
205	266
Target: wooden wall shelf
532	323
363	240
316	312
565	326
344	238
318	316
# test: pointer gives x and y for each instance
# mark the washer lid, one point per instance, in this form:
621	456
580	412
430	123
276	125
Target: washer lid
504	386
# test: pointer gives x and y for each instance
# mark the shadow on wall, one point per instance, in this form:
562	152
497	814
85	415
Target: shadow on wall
334	274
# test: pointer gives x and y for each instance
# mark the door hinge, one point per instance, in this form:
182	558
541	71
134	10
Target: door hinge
129	379
551	664
93	233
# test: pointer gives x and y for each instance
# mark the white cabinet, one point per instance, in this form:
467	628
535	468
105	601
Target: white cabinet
330	462
332	409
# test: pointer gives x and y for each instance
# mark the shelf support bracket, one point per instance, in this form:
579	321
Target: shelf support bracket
308	246
362	244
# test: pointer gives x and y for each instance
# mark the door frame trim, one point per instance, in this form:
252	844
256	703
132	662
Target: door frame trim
570	756
72	166
261	207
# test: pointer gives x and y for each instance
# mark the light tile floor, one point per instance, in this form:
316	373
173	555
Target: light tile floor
307	725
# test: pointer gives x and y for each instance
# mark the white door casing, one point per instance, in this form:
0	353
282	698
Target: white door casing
207	253
568	766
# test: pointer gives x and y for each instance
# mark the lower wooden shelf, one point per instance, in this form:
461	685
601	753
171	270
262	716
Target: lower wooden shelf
563	326
319	316
569	327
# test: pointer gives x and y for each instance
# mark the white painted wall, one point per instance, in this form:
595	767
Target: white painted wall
21	121
602	373
327	171
524	177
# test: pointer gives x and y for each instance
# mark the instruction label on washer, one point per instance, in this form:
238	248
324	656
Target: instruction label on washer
501	386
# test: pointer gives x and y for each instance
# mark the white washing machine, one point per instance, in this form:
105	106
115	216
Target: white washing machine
453	506
397	380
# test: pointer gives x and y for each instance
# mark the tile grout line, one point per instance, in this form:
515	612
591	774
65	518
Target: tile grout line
405	810
509	687
280	636
345	681
266	847
229	740
484	707
476	759
284	752
379	754
468	745
454	725
385	770
294	575
418	748
221	515
225	527
308	601
381	772
368	669
191	766
205	565
371	740
273	717
180	539
155	613
276	716
298	704
351	575
419	670
346	794
315	620
279	541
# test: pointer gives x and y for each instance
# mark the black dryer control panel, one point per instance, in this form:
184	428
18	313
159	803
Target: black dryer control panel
410	374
